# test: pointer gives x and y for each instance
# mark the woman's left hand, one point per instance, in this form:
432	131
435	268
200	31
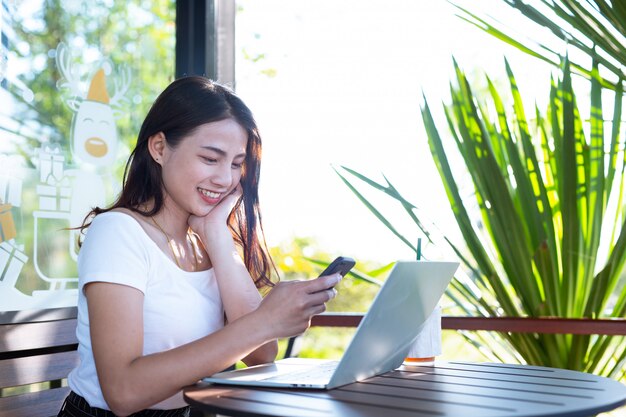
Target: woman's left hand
218	216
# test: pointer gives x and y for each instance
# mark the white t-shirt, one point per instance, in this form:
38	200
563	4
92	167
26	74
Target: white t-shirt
179	306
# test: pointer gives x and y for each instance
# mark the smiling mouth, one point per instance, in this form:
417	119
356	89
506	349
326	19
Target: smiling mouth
209	194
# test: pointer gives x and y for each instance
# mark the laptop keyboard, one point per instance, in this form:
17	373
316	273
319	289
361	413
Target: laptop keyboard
314	373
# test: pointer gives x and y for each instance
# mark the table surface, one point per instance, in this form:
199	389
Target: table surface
445	389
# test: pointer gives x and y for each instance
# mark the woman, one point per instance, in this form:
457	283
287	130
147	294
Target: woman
165	297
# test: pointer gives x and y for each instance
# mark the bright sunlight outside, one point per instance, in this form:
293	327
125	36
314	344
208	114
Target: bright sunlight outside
340	84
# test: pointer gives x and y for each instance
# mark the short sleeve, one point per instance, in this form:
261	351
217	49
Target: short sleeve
114	250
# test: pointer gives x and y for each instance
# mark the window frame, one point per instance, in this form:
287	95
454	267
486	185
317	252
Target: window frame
205	39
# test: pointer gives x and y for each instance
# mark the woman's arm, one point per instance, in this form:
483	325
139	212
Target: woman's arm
131	382
237	289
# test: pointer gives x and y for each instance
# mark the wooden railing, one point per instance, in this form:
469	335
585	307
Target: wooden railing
555	325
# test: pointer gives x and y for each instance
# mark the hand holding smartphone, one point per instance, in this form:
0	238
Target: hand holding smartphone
341	265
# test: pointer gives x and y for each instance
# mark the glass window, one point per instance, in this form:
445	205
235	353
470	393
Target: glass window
77	77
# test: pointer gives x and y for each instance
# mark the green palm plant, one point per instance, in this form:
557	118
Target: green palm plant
547	237
593	28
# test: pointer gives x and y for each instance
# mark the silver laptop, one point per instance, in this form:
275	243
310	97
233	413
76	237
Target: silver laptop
381	341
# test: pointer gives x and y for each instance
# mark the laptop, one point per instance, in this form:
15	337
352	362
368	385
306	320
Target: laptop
380	343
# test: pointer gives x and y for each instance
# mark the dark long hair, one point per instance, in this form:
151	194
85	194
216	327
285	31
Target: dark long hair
182	107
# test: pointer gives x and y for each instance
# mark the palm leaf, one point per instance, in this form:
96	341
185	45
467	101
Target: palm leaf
597	23
377	213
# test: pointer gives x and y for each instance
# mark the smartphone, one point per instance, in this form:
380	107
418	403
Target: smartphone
342	264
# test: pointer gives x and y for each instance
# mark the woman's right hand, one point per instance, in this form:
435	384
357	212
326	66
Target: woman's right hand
289	306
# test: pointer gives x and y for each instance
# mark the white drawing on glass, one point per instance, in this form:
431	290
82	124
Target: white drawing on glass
93	138
68	191
71	179
54	195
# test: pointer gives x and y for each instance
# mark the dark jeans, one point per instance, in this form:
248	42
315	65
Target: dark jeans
76	406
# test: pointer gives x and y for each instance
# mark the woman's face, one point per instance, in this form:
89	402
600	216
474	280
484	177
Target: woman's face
204	167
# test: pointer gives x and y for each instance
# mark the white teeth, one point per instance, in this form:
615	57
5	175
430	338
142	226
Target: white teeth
208	193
